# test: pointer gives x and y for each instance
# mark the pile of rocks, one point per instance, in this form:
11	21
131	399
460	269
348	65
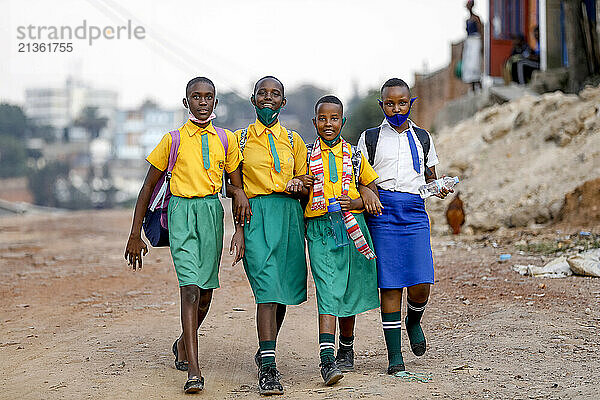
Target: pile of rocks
519	159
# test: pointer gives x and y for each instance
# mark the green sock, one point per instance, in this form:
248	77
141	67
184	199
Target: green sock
327	345
413	321
392	328
346	343
267	353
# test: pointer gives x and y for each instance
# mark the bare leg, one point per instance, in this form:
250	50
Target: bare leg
266	321
347	325
203	306
391	300
419	293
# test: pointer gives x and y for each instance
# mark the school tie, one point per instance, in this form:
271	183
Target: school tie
413	151
333	175
274	153
205	153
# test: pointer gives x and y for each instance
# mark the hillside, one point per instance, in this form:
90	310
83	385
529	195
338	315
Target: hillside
517	161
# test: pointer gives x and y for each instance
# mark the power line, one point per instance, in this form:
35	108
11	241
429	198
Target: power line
158	42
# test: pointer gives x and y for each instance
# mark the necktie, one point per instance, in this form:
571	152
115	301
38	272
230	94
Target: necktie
333	176
274	153
413	151
205	153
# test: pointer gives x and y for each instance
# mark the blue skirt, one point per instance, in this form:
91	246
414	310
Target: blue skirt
402	242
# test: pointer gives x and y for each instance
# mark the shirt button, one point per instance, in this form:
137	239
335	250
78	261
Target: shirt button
276	185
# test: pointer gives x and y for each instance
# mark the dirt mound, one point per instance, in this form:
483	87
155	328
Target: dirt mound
582	205
518	160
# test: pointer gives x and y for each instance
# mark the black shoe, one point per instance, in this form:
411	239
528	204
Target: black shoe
331	373
392	369
180	365
345	360
268	382
194	385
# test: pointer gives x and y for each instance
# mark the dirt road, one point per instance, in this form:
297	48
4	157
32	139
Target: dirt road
77	324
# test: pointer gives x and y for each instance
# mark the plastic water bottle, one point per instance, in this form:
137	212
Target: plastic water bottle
435	187
337	223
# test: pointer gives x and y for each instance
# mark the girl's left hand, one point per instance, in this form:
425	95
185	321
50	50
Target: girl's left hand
238	244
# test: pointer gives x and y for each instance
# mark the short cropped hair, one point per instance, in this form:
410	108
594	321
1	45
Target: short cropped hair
395	82
331	100
269	77
197	79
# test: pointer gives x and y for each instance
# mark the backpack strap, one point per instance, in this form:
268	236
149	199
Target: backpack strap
425	140
243	139
225	142
356	162
223	137
175	140
290	137
161	195
309	148
423	137
371	139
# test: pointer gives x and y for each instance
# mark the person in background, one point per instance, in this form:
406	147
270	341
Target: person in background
472	49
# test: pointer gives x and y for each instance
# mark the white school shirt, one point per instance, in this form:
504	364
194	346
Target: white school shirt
393	160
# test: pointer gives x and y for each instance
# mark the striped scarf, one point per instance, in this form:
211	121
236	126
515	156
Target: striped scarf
318	203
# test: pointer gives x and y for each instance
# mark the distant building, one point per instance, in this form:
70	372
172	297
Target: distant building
60	107
138	131
437	88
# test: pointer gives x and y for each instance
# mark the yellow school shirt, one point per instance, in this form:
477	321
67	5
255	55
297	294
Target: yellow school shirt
330	189
258	168
189	178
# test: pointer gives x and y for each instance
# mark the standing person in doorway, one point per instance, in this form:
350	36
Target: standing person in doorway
472	49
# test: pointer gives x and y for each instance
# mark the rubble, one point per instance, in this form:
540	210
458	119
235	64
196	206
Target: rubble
518	160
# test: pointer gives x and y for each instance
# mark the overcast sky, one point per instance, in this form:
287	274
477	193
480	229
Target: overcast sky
338	45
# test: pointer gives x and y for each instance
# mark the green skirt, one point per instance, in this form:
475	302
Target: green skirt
345	280
275	257
196	239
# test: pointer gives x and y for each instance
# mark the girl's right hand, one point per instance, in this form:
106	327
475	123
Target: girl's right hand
307	180
133	251
371	201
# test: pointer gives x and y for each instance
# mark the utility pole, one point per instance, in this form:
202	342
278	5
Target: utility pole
576	45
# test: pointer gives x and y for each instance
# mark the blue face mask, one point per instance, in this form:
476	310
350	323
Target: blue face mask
397	120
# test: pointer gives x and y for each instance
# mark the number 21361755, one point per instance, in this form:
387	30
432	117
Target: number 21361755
50	47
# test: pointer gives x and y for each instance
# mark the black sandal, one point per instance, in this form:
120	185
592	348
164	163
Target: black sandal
180	365
194	385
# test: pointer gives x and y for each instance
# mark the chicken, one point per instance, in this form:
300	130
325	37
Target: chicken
455	214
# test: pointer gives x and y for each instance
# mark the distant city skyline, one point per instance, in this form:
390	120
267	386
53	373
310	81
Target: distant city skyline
341	46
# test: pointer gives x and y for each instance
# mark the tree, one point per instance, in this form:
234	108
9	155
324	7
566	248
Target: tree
12	121
364	113
13	153
300	109
91	122
13	157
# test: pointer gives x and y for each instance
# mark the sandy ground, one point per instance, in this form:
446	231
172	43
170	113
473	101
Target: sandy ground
77	324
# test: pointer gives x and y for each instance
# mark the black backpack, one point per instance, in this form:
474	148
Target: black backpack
372	137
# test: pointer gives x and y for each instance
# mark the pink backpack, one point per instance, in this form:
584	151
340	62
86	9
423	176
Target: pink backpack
156	225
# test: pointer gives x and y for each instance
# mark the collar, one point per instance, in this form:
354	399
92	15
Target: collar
337	149
386	124
193	128
259	128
